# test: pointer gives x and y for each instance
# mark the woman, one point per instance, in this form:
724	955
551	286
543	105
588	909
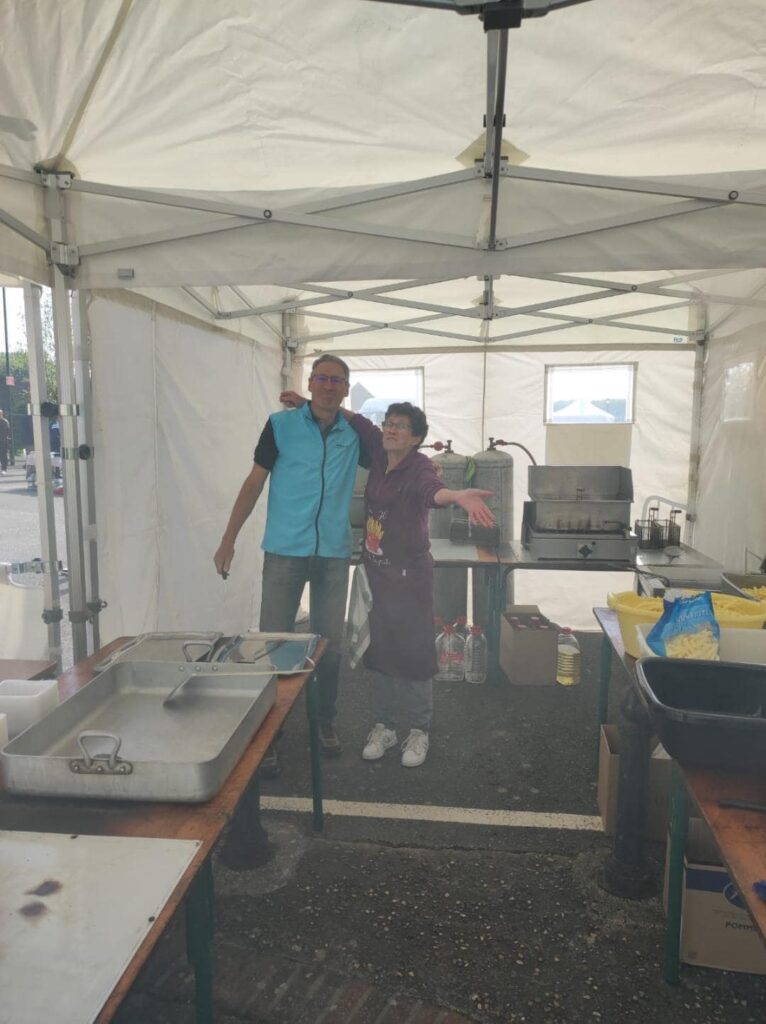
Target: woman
402	486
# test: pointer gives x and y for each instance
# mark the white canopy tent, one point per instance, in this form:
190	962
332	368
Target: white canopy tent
262	181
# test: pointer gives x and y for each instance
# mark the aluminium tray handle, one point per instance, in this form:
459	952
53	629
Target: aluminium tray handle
208	644
99	764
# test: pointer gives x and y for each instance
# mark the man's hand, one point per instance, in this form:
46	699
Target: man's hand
292	399
223	558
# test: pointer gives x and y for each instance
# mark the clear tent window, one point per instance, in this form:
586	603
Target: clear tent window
590	393
372	391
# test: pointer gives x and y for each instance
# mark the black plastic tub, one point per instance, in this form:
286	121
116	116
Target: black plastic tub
707	713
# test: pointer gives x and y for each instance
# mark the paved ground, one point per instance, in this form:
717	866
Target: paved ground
387	922
415	922
20	538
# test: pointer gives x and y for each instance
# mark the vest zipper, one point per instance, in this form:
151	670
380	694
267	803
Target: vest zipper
321	494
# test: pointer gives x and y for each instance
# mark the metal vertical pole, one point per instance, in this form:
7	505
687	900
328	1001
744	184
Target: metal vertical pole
52	613
55	211
698	322
84	398
9	411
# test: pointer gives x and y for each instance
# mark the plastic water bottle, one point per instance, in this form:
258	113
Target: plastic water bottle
476	656
461	627
449	656
568	659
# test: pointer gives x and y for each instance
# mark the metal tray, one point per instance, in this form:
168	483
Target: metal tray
115	740
164	647
735	583
282	653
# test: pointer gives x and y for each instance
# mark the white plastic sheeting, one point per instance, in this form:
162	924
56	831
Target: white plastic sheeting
179	408
733	470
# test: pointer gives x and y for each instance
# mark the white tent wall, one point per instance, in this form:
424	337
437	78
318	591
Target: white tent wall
512	408
179	405
732	477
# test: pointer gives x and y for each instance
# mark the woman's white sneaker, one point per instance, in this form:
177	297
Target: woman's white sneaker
379	741
415	748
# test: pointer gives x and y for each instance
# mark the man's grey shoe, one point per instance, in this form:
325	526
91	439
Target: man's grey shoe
329	743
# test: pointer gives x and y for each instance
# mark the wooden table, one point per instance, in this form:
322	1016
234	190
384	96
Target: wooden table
14	668
201	822
739	835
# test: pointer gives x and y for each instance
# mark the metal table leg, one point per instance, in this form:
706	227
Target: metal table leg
312	710
679	827
625	873
605	675
199	940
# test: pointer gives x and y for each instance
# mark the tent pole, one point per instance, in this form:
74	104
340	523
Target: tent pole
38	393
698	319
497	134
54	186
84	398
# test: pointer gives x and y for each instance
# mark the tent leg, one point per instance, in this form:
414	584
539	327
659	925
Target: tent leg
84	393
52	613
62	329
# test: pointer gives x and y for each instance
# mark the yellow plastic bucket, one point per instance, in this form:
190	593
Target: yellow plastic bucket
632	610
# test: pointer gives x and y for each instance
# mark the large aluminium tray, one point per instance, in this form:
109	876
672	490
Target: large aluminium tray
114	739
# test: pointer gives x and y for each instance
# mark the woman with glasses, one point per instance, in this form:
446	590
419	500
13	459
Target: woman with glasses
402	486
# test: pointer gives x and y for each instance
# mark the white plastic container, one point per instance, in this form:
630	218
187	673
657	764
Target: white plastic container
26	701
3	731
745	646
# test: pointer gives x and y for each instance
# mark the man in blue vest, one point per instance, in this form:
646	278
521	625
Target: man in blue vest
312	455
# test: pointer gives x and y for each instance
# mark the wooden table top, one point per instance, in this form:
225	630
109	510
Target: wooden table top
203	822
739	835
19	668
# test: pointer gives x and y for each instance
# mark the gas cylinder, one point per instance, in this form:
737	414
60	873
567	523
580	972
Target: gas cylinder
450	585
493	471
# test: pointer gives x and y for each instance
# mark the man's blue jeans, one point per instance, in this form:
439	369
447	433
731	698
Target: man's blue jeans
284	577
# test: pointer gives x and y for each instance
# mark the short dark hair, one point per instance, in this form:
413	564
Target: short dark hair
416	416
326	358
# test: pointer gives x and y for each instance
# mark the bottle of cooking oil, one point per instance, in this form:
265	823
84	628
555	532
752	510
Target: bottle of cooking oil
568	659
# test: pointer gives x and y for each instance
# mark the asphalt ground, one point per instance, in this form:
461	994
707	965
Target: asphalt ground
20	540
494	923
415	921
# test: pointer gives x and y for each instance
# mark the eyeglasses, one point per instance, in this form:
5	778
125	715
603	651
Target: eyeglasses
391	425
322	378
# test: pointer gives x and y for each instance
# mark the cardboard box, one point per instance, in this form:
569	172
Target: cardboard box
658	786
528	646
716	930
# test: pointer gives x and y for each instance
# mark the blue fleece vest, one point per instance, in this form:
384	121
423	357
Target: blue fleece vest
311	486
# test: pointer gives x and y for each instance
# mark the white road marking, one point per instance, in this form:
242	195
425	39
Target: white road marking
429	812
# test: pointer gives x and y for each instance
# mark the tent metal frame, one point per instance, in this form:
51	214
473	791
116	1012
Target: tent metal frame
72	351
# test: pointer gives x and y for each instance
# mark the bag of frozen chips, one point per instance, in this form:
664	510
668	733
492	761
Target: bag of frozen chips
687	629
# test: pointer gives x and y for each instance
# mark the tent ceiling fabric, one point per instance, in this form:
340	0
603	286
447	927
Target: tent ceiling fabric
246	95
330	134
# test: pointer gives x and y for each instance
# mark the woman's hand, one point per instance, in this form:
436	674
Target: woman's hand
472	500
292	399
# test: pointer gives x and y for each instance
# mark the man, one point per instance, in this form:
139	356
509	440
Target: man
312	455
5	437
